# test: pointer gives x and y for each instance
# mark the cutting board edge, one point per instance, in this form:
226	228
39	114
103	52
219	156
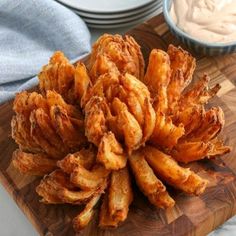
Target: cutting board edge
210	230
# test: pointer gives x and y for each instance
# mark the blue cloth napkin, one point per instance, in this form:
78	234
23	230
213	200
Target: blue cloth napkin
30	31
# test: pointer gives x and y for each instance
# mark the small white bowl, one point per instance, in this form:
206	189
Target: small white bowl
200	47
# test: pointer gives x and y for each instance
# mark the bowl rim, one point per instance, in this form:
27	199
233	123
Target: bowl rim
170	22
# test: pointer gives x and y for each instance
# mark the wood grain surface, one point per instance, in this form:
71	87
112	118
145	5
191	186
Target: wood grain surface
191	215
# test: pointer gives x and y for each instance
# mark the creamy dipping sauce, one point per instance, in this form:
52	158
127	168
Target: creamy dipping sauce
206	20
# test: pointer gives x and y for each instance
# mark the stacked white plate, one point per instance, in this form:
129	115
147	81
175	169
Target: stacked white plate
107	14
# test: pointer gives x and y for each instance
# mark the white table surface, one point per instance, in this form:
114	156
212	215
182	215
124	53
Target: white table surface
14	223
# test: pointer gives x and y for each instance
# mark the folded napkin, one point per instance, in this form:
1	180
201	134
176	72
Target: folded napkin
30	31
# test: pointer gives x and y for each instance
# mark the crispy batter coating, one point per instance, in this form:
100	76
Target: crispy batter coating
120	194
148	182
45	124
89	179
68	132
198	93
106	98
166	134
194	184
114	53
95	119
39	137
111	153
35	114
76	197
20	128
51	185
157	77
106	86
102	65
190	151
127	125
182	67
81	221
105	218
58	75
57	188
197	144
158	73
25	102
181	59
144	175
84	217
33	164
169	170
65	79
82	81
218	148
81	197
174	90
192	101
84	157
190	110
55	99
209	127
190	117
142	109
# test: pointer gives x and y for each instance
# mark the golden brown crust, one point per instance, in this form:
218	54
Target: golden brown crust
169	170
57	188
111	94
33	164
89	179
120	194
111	153
105	218
84	217
148	182
20	128
25	102
157	78
95	119
84	157
112	53
39	137
69	133
183	61
82	81
158	72
58	75
35	114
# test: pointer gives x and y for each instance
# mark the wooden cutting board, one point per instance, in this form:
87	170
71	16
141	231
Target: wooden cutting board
191	215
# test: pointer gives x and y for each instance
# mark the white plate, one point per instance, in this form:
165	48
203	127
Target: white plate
121	20
106	6
127	24
118	15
